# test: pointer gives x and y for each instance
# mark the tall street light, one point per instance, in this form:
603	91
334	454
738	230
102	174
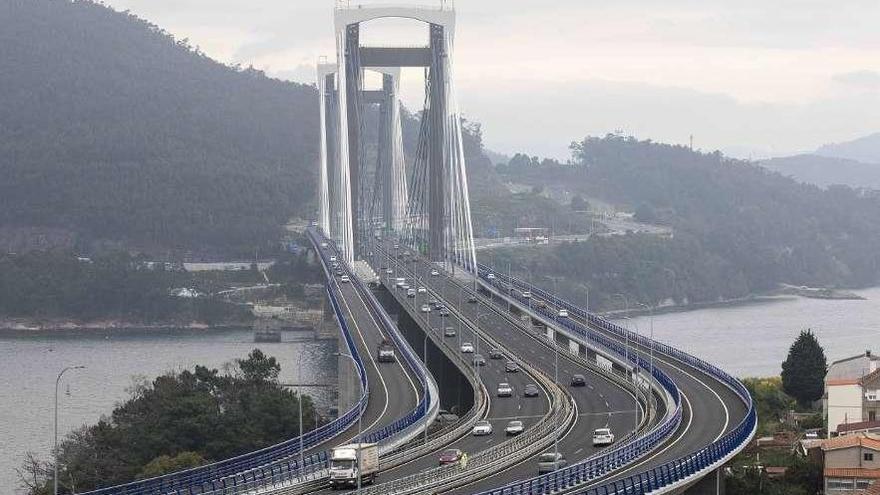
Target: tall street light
299	400
55	450
650	351
360	431
636	366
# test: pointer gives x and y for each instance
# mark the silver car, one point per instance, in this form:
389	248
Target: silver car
550	461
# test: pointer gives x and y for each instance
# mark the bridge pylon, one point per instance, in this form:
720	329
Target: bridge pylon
429	209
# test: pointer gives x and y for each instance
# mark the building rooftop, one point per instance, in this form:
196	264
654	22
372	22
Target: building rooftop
862	473
851	370
861	425
846	442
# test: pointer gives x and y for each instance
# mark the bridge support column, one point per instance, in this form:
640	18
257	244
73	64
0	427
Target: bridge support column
712	484
437	170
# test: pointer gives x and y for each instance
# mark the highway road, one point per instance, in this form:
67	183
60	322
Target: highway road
600	403
394	390
710	409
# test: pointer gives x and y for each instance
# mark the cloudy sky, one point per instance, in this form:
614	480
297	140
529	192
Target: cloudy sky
749	77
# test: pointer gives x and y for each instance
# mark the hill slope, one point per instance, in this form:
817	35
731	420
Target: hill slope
111	129
738	229
825	171
864	149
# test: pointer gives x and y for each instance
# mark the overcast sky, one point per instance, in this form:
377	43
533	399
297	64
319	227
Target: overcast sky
749	77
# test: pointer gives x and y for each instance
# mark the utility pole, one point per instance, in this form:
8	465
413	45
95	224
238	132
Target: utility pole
55	449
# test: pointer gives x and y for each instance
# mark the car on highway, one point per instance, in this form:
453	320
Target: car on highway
339	272
527	294
602	436
444	312
514	427
425	308
467	348
411	293
495	353
531	390
482	428
449	332
389	271
505	390
422	290
472	299
332	259
551	461
344	279
511	367
397	246
450	456
578	380
433	302
542	305
563	313
479	360
434	273
491	276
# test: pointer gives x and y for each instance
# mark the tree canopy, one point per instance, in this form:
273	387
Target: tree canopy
803	371
181	419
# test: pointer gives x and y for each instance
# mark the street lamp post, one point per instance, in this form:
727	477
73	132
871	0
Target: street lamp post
55	450
302	459
650	352
360	431
636	366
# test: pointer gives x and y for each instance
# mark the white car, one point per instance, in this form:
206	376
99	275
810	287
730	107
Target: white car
422	290
410	293
514	427
527	295
491	276
563	313
482	428
344	279
467	348
389	271
434	273
505	390
332	259
425	308
602	436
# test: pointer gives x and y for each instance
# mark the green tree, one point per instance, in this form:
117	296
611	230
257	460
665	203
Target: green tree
165	464
803	371
258	367
578	203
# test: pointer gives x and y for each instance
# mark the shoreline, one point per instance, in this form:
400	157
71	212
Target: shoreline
27	325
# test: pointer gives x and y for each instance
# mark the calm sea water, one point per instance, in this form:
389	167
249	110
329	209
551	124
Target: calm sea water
30	362
753	339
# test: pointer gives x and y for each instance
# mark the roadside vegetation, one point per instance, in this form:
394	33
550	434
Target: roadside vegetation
179	420
787	408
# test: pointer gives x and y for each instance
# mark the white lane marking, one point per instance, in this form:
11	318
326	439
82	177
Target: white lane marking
370	354
399	364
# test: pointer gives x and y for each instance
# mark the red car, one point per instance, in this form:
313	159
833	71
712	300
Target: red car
450	456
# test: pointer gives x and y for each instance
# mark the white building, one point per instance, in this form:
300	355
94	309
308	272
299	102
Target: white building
852	392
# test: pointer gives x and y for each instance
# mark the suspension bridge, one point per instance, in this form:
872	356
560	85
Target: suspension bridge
387	221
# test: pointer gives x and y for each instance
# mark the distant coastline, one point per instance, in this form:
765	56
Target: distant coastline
24	325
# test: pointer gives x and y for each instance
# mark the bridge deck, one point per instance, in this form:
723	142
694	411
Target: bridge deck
599	404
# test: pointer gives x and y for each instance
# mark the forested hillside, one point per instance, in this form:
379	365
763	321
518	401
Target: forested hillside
738	229
112	129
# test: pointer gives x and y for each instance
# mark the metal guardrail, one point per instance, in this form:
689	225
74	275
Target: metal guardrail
673	472
274	462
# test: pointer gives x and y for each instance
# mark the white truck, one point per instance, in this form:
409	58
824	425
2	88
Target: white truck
344	470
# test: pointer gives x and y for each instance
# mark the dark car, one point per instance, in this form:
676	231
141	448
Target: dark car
449	332
472	299
450	456
511	367
339	273
444	312
531	390
479	360
578	381
495	353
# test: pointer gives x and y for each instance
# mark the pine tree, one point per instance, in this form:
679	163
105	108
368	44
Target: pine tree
803	371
